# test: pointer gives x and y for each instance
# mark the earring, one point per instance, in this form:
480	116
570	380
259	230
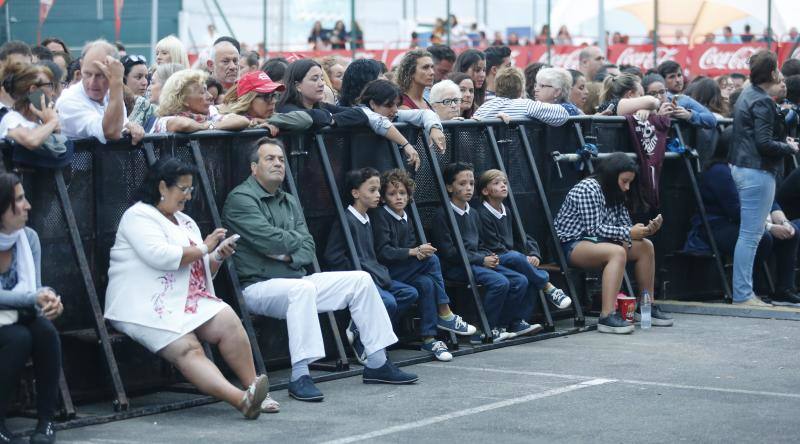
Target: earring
162	198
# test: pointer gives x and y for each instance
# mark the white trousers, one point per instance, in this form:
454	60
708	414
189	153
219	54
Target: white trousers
299	300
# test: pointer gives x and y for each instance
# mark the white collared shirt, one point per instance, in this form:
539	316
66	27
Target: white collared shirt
363	218
459	211
495	213
404	217
80	116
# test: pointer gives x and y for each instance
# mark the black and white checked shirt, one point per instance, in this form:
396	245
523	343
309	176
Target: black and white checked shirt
585	213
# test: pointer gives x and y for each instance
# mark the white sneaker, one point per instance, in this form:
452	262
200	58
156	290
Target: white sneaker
754	301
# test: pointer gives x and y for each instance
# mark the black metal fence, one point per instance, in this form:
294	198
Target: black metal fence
76	212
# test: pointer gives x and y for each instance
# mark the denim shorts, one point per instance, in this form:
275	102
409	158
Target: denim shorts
568	246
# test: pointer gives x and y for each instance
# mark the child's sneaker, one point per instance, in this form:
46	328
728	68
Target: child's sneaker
456	325
559	298
439	350
613	323
354	338
519	328
497	336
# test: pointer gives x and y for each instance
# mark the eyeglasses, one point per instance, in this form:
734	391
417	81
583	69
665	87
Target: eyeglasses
542	85
450	102
269	97
185	190
659	92
132	59
43	84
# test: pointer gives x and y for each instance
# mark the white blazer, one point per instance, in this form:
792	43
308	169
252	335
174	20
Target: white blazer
146	284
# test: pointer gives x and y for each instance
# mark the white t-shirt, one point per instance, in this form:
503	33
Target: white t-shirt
80	116
12	120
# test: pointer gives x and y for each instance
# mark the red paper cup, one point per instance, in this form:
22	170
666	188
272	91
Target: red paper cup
626	305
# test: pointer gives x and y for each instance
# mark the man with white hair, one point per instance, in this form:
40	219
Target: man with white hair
446	100
94	107
223	62
510	86
590	60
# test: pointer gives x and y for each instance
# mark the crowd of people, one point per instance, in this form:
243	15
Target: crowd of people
160	249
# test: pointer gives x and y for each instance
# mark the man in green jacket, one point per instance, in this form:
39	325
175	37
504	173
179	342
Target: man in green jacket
271	256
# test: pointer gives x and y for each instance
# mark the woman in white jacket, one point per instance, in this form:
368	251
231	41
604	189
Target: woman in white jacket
160	290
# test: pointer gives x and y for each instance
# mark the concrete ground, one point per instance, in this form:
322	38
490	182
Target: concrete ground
708	379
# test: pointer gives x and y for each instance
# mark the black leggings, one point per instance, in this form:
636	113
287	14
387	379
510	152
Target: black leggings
37	339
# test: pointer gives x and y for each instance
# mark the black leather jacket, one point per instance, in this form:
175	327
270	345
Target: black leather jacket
759	133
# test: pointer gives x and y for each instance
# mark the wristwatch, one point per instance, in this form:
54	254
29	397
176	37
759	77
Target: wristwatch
211	125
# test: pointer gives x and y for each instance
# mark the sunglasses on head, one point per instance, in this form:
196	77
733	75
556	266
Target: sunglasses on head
133	59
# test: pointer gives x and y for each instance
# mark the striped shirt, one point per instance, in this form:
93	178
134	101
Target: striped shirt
584	213
551	114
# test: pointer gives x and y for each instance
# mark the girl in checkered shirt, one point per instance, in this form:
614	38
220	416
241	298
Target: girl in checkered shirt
596	231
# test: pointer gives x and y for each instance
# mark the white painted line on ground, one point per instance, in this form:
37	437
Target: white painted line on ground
625	381
472	411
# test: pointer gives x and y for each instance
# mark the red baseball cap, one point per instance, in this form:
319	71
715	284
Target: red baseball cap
257	81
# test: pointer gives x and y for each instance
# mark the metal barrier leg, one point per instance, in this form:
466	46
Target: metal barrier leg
473	286
247	321
517	218
701	208
412	207
121	399
342	362
66	397
580	320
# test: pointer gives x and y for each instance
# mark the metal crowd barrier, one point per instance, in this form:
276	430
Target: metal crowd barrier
76	211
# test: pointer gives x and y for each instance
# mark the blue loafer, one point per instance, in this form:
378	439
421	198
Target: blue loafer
304	390
388	374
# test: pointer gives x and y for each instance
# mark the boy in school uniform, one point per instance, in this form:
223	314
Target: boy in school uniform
498	236
362	192
505	301
416	264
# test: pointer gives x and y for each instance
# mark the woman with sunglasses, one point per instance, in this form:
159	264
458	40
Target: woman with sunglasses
161	292
186	107
137	79
28	124
254	96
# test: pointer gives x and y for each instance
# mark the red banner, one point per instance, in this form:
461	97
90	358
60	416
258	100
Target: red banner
707	59
117	18
713	59
641	56
44	10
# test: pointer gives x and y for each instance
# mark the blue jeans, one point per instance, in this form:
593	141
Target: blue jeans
426	277
756	193
398	299
505	298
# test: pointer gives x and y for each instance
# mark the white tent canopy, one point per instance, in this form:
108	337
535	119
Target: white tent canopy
693	17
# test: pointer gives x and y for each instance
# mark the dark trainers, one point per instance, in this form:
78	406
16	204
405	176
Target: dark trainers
354	338
304	390
44	433
439	350
6	437
498	335
519	328
786	297
387	374
559	298
613	323
658	317
456	325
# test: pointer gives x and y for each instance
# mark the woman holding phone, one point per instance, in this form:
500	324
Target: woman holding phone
160	253
32	119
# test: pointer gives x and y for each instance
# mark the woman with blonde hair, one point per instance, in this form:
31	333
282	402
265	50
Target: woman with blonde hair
171	50
254	96
186	106
623	94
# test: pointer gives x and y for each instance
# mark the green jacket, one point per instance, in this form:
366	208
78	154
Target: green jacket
269	225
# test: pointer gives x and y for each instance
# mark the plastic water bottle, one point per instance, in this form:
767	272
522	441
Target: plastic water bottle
645	305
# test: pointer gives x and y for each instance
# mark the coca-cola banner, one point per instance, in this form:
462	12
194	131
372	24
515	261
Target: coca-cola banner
641	56
788	51
716	59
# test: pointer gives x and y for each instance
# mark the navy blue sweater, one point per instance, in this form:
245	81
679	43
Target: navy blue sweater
469	225
393	238
337	255
501	236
